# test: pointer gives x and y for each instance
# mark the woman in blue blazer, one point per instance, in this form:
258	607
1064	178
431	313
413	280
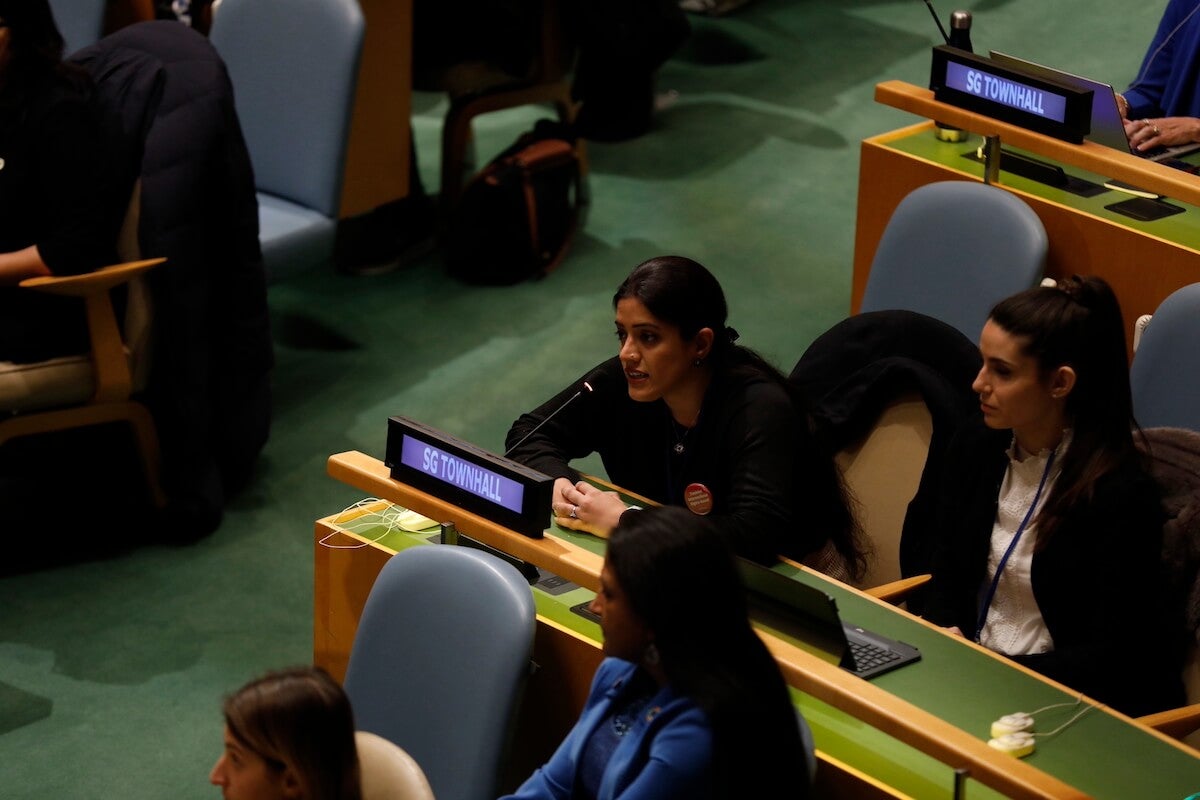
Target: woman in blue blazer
688	702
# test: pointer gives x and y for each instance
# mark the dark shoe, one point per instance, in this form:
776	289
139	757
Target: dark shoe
387	238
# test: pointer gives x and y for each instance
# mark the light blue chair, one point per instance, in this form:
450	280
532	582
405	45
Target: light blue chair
952	250
440	661
1165	381
809	747
81	22
294	68
1165	374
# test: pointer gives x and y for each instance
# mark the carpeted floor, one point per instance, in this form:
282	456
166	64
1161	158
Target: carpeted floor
114	652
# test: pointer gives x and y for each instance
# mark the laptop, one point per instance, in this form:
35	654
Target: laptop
862	652
1108	129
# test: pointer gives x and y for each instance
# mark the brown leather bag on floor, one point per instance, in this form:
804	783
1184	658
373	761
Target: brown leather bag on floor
517	217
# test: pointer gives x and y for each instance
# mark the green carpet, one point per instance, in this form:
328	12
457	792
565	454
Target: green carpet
112	667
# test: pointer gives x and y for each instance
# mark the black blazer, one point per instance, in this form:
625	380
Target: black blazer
1097	582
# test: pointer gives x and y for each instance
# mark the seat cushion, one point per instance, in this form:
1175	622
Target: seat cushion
294	239
46	384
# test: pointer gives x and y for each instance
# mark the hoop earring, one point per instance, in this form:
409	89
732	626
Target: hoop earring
650	655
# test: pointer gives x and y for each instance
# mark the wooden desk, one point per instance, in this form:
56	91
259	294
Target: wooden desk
1143	261
935	706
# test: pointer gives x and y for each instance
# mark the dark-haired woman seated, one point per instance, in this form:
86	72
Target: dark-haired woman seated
56	215
685	416
688	702
1050	531
289	735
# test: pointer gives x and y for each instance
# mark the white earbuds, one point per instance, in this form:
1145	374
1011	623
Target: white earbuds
1013	733
1018	745
1012	723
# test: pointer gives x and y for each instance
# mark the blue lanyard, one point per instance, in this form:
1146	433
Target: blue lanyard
991	592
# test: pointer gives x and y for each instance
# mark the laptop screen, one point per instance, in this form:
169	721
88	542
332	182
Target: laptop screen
1108	128
782	603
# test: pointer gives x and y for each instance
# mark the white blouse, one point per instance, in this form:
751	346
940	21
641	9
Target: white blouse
1014	624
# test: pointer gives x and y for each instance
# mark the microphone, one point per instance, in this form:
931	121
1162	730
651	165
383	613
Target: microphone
960	37
585	388
938	20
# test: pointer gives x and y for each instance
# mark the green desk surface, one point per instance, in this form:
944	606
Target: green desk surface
1182	228
1099	754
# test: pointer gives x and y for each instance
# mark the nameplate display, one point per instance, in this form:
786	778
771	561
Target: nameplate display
961	78
496	488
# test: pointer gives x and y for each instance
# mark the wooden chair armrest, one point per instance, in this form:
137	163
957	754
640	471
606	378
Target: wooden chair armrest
1175	722
896	591
91	283
113	380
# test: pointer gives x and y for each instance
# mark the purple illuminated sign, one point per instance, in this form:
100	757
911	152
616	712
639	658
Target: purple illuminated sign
458	472
1005	91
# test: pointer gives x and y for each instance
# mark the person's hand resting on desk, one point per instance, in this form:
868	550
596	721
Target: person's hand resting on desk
583	507
1147	134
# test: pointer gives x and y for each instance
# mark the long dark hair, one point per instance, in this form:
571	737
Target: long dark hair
299	718
683	293
681	580
1078	324
35	49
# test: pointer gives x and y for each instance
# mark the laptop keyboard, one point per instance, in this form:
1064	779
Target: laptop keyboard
867	656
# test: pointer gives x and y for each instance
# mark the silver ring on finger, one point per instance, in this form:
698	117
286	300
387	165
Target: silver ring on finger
574	512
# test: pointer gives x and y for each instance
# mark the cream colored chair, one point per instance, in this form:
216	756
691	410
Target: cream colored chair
387	771
882	471
887	390
100	386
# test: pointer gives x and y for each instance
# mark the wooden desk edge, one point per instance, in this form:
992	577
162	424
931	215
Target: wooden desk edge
1089	155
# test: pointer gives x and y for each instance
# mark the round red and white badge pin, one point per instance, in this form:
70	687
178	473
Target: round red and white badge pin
699	498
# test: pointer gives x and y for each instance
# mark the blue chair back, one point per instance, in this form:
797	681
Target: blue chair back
1165	374
810	748
440	660
81	22
952	250
294	68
